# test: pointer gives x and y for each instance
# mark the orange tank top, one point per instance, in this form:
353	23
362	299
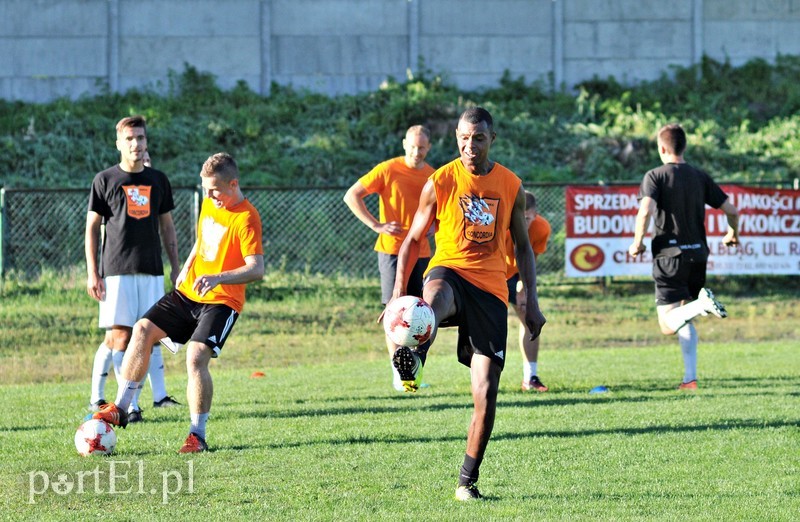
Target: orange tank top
472	216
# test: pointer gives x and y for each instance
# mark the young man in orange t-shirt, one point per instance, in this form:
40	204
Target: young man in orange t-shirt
398	182
474	202
538	234
209	297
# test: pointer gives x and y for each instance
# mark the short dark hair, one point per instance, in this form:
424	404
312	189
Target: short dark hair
220	165
132	121
673	137
530	200
476	115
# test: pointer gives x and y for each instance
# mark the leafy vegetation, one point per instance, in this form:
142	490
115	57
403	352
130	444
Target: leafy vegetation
744	125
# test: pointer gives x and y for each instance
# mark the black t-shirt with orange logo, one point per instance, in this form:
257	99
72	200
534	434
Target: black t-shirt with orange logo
130	204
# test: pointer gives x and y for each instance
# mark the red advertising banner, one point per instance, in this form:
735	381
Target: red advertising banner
600	223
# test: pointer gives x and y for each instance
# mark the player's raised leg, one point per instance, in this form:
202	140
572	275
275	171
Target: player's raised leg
410	362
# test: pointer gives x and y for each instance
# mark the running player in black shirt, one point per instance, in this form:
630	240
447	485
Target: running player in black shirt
675	195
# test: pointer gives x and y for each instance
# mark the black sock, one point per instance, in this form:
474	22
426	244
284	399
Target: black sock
422	351
469	471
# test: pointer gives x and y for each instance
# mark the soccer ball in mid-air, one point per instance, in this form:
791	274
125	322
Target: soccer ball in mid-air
95	437
408	321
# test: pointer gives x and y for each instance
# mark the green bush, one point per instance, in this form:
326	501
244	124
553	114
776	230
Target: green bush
743	124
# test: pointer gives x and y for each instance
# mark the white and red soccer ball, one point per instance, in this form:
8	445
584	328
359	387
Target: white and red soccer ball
95	437
408	321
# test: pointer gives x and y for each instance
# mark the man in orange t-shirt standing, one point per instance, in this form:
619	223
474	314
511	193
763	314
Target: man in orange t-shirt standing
398	182
538	234
474	202
209	297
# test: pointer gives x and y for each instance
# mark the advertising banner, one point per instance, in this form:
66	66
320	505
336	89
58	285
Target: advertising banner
600	222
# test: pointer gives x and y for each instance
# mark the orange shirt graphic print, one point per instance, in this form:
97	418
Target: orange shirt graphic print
212	234
480	217
137	198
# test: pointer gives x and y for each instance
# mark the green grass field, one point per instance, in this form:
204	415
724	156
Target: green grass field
324	437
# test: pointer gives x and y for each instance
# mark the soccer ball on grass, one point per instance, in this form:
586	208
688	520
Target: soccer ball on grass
95	437
408	321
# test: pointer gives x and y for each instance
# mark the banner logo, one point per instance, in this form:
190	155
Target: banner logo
587	257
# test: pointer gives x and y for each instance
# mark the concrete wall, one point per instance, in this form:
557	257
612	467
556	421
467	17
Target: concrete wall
52	48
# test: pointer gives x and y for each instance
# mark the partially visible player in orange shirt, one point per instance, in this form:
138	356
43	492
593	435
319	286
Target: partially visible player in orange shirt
398	183
538	233
209	297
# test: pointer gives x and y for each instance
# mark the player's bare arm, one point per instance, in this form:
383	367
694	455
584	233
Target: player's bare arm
354	198
95	286
253	270
534	319
647	209
186	265
732	214
169	239
409	250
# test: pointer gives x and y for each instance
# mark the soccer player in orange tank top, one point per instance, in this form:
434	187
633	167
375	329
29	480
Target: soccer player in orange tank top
209	297
474	202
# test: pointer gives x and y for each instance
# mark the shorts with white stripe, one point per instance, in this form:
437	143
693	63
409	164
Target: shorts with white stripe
185	320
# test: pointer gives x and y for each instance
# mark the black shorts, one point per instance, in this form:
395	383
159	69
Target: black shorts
185	320
387	265
481	317
678	279
511	282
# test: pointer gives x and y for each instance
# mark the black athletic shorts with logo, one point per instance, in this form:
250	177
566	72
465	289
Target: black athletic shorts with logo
481	317
678	279
185	320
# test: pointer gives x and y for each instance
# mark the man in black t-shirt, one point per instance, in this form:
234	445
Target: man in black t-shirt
675	195
129	216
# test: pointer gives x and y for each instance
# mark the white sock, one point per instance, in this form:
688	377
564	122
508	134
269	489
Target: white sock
134	406
198	425
156	374
102	363
677	317
687	336
528	370
117	357
125	393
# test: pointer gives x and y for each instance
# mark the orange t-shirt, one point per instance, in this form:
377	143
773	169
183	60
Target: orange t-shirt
473	214
538	234
399	187
224	238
